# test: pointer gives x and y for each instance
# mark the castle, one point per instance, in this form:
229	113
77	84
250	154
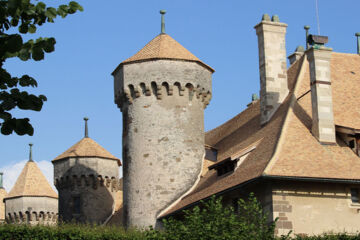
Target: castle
297	147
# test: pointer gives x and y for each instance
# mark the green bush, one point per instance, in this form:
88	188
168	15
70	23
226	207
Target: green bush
217	222
67	232
210	221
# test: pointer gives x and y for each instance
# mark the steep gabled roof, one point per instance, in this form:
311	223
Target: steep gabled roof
87	147
164	47
299	153
285	145
31	182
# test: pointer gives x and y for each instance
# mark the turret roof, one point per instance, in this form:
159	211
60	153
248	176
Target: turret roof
164	47
31	182
87	147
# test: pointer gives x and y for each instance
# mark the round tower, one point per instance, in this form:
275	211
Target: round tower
32	200
162	92
87	179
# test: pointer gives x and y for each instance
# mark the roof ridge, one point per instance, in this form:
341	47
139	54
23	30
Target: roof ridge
285	123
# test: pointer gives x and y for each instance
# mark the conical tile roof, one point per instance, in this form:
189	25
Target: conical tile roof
164	47
31	182
87	147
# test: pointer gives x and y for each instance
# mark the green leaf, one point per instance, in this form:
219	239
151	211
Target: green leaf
14	22
14	43
24	54
51	13
37	53
24	28
49	45
32	28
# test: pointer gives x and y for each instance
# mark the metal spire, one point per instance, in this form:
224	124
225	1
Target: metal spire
86	127
1	180
358	42
30	153
162	12
307	27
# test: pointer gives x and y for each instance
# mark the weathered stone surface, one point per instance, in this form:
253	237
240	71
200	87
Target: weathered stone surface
272	66
163	143
91	181
323	126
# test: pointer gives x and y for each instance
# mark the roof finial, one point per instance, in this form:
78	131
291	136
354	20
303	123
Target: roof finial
307	27
358	42
162	12
1	180
86	127
30	153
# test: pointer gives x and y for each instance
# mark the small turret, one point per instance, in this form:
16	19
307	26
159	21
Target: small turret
87	178
30	189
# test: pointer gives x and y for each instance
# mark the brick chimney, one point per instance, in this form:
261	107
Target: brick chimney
272	65
318	55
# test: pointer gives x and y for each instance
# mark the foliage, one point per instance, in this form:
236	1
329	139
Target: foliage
26	17
66	231
210	221
215	221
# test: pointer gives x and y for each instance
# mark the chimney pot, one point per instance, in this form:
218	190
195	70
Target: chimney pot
275	18
266	17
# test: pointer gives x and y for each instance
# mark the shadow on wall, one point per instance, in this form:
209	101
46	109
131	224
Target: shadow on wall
85	196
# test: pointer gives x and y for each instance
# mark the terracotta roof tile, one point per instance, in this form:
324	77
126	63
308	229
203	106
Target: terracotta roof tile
31	182
301	155
87	147
288	148
164	47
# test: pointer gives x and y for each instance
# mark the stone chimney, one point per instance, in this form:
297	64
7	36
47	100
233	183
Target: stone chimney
318	55
299	51
272	65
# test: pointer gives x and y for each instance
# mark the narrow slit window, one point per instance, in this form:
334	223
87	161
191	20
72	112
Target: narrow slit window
76	205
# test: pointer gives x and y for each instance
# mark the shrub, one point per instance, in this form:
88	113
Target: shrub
218	222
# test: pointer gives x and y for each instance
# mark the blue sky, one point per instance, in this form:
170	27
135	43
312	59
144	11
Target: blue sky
76	77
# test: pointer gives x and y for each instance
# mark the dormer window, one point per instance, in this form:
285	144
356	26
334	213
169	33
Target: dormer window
351	137
225	168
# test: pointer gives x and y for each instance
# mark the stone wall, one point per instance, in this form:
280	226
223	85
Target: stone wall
87	187
33	210
314	208
163	133
2	204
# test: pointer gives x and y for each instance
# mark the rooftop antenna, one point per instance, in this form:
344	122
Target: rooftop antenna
162	12
86	127
30	153
317	16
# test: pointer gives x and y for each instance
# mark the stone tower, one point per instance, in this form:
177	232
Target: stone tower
162	92
3	194
87	179
32	200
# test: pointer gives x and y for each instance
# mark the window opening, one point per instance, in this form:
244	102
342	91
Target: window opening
76	205
354	195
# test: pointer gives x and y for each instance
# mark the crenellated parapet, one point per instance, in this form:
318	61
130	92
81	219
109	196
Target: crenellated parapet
95	182
33	218
158	89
